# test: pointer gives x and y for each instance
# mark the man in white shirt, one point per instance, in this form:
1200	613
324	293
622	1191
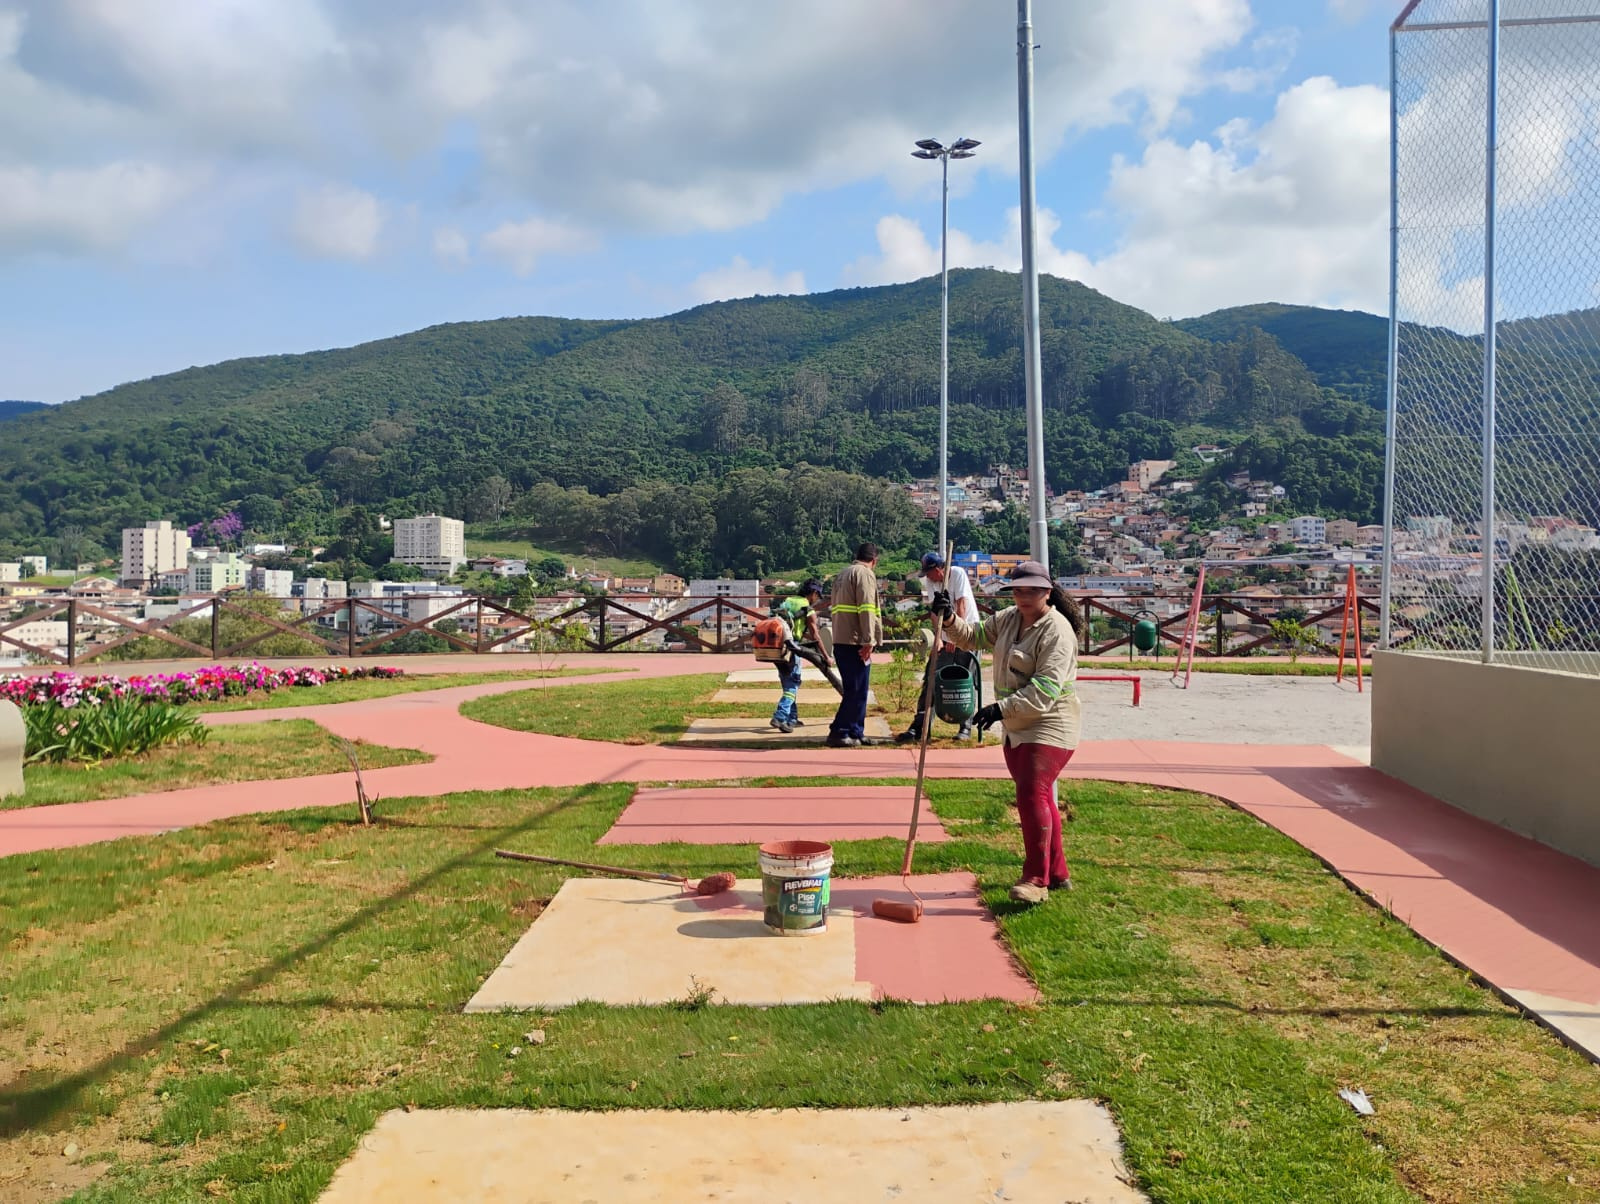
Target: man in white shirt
936	575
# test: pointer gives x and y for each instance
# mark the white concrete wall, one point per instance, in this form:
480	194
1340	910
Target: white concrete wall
1512	745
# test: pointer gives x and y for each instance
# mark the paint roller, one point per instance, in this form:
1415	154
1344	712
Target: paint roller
892	909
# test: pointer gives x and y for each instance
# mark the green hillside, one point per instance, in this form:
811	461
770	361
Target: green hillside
16	409
472	418
1345	349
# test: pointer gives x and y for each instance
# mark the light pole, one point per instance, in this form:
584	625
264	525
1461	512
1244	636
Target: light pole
929	148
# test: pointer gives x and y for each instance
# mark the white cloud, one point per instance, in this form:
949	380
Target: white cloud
523	244
1295	210
450	247
741	279
337	222
656	115
77	210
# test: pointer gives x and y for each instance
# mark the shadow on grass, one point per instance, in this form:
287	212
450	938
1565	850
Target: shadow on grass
25	1106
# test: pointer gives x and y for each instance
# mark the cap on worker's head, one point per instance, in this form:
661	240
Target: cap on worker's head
812	586
932	561
1030	574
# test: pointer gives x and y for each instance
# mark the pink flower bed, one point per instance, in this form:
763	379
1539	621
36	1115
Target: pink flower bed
202	685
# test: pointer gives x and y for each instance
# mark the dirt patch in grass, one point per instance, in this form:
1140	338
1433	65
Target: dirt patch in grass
530	909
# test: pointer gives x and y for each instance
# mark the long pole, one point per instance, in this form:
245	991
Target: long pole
1491	141
1391	419
944	355
1038	532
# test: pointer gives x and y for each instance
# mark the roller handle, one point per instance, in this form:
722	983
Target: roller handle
647	875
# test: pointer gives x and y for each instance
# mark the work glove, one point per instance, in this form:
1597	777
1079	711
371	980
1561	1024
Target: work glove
986	717
941	607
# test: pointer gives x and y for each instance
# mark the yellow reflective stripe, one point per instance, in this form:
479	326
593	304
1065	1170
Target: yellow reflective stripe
845	608
1048	687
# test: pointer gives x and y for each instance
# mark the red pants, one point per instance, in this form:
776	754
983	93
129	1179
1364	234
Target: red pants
1034	768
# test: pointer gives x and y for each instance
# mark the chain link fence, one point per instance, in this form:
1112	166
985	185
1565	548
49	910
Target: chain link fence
1524	531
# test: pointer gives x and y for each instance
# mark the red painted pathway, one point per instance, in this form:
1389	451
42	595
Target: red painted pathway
1516	912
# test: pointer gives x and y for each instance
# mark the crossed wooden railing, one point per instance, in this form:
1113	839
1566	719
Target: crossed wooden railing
598	624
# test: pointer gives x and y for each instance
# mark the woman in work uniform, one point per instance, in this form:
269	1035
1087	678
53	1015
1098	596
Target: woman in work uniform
1035	647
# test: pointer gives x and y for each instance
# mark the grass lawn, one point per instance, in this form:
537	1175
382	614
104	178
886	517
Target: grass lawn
522	549
223	1012
248	752
640	711
379	687
659	710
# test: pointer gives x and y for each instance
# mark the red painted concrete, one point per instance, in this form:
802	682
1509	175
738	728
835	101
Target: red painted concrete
1514	911
954	954
749	815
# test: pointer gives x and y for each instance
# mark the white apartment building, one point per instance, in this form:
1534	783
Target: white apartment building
218	573
1308	528
317	588
10	570
276	583
151	550
431	542
35	566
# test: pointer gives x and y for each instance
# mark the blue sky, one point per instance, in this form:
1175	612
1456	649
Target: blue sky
187	181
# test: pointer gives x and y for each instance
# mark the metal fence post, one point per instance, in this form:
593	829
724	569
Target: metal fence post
72	632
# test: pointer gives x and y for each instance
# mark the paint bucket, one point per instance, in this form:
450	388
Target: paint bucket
794	886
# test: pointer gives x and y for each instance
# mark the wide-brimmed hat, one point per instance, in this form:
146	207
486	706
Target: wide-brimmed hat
1030	574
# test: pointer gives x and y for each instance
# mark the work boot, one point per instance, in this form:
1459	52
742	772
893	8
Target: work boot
843	742
910	736
964	732
797	722
1029	892
776	722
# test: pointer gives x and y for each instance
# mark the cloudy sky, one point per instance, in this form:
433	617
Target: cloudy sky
186	181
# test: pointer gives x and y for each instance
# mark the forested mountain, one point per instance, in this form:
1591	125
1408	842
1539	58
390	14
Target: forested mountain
15	409
466	418
1345	349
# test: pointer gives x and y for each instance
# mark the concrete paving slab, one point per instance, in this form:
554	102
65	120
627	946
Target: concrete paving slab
751	815
1058	1150
767	677
768	698
623	942
760	731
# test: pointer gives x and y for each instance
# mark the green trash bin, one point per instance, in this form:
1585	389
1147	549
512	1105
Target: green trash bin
1145	635
955	694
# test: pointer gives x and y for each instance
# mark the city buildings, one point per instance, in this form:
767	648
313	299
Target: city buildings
151	550
433	543
1308	529
218	573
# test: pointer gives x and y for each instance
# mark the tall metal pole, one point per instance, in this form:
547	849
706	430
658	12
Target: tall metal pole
944	357
1491	142
1038	531
1391	419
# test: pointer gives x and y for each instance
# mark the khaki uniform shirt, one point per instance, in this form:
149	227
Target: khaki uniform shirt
1035	674
855	606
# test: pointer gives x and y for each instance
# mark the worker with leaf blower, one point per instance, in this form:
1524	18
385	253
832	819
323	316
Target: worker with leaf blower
798	612
1035	645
